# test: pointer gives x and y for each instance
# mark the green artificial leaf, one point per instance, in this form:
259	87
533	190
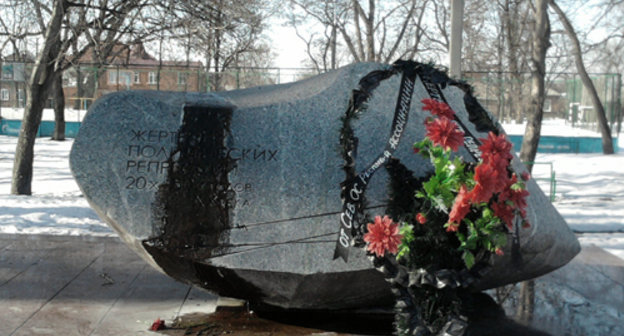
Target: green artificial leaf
471	242
431	186
499	239
468	259
460	236
407	232
489	246
516	187
439	203
487	213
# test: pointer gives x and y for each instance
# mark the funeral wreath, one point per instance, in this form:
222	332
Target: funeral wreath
440	237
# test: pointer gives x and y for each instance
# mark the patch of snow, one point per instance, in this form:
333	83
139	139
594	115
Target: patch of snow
553	127
14	113
56	205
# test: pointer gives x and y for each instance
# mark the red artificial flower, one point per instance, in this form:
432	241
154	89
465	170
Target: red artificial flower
486	177
421	218
383	235
526	176
499	251
496	149
461	207
444	132
505	212
526	224
452	227
518	197
441	109
158	325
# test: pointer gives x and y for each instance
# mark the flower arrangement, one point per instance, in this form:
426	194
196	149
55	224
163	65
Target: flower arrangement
454	219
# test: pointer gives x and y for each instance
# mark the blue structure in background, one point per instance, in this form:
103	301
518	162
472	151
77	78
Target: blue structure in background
547	144
46	128
560	144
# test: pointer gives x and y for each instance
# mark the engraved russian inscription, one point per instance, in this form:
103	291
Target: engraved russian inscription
147	154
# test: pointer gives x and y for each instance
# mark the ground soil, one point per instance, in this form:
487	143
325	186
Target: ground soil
244	323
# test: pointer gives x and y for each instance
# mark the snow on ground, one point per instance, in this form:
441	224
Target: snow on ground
553	127
56	205
589	187
589	193
15	113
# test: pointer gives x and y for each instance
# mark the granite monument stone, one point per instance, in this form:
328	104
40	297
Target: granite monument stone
239	192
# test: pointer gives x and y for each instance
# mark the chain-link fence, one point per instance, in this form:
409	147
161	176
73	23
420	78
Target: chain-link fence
504	94
507	96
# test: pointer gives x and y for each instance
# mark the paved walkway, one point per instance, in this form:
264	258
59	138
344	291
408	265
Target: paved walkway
70	286
59	285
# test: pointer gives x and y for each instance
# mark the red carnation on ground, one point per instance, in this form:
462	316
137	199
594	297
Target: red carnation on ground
383	235
158	325
461	207
444	132
499	251
441	109
421	218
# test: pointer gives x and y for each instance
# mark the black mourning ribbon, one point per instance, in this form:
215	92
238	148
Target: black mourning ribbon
353	189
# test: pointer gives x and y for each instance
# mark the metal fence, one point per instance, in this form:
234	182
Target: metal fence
507	96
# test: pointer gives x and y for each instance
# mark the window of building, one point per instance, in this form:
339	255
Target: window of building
547	105
4	94
125	78
151	78
7	71
182	76
21	98
69	79
112	77
137	77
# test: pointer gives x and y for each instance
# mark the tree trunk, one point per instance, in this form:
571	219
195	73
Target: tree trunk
370	32
607	140
332	46
59	110
514	83
24	153
541	36
527	302
40	83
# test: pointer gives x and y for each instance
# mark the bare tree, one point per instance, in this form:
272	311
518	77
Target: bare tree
70	30
59	109
227	33
366	31
322	48
540	44
607	140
